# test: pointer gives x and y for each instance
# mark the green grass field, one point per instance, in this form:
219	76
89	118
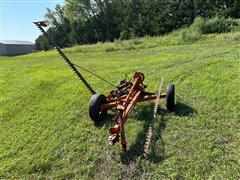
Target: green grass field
46	131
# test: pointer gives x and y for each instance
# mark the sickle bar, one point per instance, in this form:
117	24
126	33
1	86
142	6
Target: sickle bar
40	26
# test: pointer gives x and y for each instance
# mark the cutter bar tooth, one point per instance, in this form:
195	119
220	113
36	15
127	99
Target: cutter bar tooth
150	129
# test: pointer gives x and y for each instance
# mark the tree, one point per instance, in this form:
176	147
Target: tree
91	21
41	43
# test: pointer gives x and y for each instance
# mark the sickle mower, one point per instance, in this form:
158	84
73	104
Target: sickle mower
125	96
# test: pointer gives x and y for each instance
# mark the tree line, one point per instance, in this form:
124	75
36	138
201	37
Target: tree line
91	21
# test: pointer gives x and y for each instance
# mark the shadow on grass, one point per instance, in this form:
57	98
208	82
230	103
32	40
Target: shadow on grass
182	109
145	113
106	122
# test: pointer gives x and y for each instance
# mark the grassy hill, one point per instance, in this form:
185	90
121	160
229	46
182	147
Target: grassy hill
46	131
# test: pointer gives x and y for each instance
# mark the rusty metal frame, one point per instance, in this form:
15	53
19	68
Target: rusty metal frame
125	104
123	99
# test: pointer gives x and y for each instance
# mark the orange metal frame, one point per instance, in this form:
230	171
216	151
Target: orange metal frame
124	104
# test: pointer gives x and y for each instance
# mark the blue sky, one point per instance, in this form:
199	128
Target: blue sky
17	17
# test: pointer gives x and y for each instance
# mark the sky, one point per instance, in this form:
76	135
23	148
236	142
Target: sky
16	18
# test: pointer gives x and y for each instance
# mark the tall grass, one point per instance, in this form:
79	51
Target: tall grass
219	25
202	26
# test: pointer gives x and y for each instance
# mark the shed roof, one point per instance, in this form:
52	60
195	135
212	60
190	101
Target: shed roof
16	42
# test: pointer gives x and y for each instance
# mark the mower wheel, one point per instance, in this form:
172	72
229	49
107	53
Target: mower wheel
170	97
95	112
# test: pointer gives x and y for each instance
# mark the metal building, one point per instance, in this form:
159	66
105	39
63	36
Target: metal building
9	47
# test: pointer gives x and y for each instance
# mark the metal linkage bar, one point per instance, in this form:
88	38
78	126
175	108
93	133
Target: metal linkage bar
40	26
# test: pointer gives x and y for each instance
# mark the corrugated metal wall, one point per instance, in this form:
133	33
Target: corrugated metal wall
3	49
12	49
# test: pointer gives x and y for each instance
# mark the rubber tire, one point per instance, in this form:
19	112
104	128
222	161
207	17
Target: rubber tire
170	97
94	107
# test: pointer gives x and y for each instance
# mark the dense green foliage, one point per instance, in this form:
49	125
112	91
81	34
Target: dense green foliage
46	132
215	25
219	25
91	21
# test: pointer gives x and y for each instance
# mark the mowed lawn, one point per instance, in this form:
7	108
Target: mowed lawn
46	131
